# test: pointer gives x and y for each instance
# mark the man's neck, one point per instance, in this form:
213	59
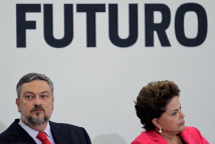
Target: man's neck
39	128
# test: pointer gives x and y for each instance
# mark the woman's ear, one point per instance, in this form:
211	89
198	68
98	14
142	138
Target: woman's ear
156	123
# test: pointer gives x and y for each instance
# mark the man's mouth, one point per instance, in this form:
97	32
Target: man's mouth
37	109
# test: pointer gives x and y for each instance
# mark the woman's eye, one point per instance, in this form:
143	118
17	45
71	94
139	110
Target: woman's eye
174	113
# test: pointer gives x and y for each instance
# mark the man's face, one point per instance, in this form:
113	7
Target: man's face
35	103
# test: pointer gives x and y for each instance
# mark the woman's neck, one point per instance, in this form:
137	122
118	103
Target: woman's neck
172	138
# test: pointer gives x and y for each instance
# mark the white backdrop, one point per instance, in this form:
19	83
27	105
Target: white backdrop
95	86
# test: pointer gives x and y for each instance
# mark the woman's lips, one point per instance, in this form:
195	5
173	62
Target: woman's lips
182	123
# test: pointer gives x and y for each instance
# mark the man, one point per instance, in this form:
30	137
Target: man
35	103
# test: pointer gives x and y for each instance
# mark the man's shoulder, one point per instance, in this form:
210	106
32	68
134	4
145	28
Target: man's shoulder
65	127
14	125
73	134
5	136
5	133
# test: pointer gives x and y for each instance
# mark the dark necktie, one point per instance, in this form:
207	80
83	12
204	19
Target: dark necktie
43	138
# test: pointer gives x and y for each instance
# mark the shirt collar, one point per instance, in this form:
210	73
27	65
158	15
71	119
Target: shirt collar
33	133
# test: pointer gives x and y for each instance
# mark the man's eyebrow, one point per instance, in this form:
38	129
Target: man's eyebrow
40	93
44	92
29	92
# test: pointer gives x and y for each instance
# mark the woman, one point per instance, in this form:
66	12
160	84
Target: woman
159	110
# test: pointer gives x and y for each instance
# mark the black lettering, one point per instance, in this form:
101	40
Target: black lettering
22	25
113	26
202	25
68	26
160	28
90	10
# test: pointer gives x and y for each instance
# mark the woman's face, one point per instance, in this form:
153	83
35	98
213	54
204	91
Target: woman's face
172	120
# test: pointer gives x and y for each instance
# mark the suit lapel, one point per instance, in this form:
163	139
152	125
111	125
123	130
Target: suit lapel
59	136
19	135
158	139
188	139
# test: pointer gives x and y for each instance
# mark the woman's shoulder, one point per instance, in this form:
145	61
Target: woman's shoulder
148	137
191	130
142	138
193	134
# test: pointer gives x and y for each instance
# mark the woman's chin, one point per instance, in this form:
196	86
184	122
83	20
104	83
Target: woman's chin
182	127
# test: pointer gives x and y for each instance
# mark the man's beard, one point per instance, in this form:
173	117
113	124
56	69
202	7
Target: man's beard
35	121
30	120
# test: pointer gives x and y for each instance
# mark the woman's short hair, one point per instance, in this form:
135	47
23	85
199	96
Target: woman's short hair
152	101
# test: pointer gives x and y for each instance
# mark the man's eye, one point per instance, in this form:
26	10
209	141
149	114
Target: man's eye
29	97
44	96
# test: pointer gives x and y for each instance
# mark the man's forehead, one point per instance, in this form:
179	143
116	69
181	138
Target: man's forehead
36	85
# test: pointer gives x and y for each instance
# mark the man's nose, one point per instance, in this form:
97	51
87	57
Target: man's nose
37	101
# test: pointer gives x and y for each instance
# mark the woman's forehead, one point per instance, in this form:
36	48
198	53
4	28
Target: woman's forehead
173	104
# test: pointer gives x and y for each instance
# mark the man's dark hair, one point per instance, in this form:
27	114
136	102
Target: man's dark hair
31	77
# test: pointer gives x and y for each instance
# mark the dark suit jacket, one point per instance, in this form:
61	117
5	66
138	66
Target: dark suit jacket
62	133
190	135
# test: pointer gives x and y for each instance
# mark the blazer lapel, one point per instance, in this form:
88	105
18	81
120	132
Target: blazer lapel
59	136
156	137
188	139
19	135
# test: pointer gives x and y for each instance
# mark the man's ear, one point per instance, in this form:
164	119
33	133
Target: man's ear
17	103
53	103
156	123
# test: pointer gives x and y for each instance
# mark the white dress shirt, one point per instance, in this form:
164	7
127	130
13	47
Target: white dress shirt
34	133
